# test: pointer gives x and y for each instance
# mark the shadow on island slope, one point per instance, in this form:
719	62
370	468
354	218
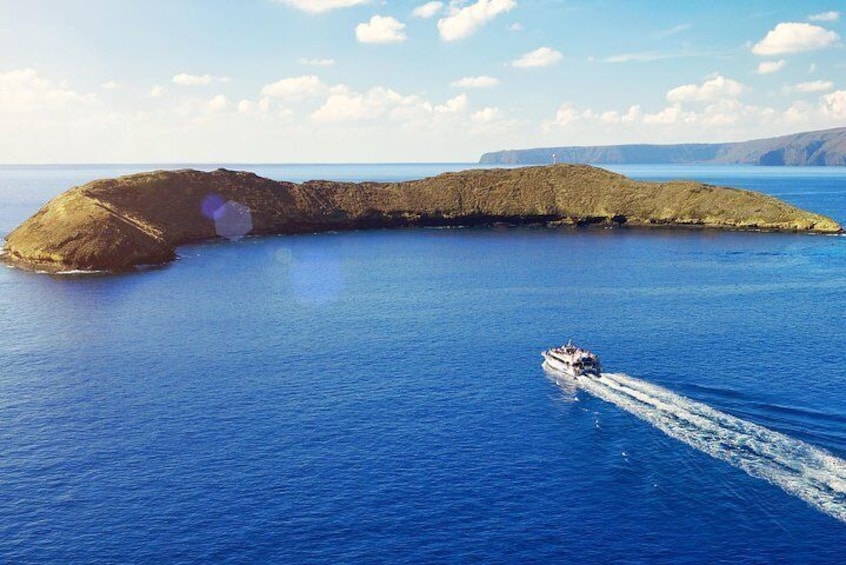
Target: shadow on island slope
117	224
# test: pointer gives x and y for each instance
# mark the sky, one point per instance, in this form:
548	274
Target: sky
343	81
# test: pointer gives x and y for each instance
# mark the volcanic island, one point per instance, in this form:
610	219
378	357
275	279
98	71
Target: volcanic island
122	223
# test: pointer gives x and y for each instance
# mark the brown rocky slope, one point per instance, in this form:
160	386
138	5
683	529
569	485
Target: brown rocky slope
116	224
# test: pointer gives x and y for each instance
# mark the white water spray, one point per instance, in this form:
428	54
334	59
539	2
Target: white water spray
811	473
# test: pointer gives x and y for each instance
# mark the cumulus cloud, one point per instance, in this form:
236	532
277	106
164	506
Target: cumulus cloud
320	6
295	88
110	85
453	105
768	67
633	114
814	86
825	17
720	120
464	21
186	79
380	103
475	82
41	115
316	62
380	29
428	10
565	115
487	115
218	103
794	37
834	104
543	57
25	90
157	91
713	89
346	106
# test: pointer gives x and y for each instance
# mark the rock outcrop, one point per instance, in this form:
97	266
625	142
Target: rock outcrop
117	224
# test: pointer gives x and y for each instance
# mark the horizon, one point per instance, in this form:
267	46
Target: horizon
360	81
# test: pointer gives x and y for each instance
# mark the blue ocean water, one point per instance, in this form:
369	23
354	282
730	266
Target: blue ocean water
377	397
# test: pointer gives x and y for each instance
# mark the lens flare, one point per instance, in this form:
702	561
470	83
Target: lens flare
233	220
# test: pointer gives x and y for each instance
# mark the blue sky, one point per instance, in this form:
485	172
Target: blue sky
391	81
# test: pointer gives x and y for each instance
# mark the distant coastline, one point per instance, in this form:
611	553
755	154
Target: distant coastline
813	148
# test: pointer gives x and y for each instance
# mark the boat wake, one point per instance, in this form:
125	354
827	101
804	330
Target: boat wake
811	473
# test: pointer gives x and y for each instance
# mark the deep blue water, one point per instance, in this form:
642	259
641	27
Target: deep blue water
378	396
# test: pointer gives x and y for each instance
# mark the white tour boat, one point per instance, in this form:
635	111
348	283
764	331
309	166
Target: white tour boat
572	360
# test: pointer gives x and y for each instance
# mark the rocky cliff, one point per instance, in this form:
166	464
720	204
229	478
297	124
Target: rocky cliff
813	148
116	224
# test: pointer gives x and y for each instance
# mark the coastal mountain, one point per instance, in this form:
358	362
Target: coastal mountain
813	148
120	223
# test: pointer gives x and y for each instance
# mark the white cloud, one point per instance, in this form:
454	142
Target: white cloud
825	17
42	117
320	6
453	105
814	86
566	115
463	22
245	106
768	67
726	119
543	57
316	62
380	103
185	79
380	29
516	26
428	10
157	91
110	85
346	105
713	89
834	104
475	82
487	115
794	37
669	115
296	88
24	90
633	114
218	103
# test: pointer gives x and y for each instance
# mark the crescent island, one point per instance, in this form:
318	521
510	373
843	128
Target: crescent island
118	224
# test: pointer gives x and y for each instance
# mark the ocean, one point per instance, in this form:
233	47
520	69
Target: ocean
378	396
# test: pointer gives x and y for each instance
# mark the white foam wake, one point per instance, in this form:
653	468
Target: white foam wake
811	473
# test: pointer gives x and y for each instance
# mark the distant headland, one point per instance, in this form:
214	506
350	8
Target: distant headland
121	223
813	148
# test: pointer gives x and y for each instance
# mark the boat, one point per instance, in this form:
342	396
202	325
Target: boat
572	360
